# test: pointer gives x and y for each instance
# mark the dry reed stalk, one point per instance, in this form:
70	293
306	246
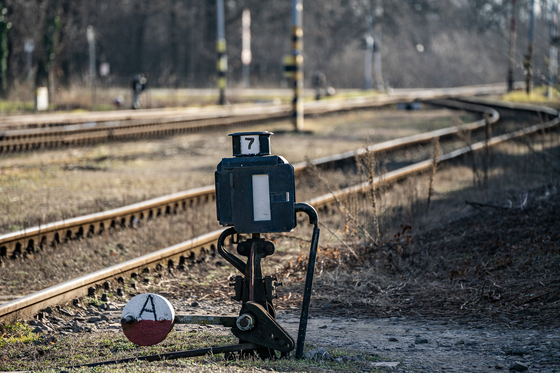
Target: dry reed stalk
315	172
435	163
341	240
368	161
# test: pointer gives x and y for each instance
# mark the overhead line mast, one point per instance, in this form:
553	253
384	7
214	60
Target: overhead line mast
297	54
221	51
512	40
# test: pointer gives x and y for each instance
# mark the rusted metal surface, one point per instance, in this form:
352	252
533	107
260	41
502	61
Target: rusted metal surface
18	242
29	132
227	321
179	354
95	223
29	305
78	287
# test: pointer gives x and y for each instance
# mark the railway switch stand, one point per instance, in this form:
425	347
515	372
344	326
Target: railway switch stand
255	195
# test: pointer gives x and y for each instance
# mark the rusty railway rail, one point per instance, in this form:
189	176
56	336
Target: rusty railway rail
30	132
27	240
203	245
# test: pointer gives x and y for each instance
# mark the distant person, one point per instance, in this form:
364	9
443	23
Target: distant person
320	84
138	85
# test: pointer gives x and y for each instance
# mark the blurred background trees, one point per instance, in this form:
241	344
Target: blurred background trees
426	43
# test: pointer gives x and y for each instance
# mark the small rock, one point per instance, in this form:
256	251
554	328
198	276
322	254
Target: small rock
66	312
518	367
420	340
110	307
353	358
94	319
499	366
339	360
323	327
389	364
353	320
319	354
49	310
542	348
393	339
516	351
194	304
57	320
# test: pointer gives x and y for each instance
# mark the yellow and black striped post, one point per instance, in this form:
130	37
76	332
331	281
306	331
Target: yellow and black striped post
221	65
222	70
294	64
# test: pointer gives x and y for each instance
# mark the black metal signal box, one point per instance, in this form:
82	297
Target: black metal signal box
255	191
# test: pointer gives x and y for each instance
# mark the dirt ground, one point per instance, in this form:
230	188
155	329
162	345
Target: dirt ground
470	285
46	186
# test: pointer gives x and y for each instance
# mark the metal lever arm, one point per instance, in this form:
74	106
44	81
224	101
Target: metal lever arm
313	219
234	261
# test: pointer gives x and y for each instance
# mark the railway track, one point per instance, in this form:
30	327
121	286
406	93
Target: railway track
203	245
26	241
31	132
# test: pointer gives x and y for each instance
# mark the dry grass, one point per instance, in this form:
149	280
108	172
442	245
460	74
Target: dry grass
497	260
54	185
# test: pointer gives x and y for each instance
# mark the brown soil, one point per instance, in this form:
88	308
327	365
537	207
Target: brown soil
501	264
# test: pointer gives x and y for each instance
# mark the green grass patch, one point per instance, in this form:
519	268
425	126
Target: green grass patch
16	333
49	353
539	95
15	107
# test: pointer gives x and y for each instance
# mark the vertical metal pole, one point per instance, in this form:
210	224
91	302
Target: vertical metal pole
307	292
90	33
529	82
297	52
512	40
377	59
221	50
29	47
246	55
369	53
553	51
29	66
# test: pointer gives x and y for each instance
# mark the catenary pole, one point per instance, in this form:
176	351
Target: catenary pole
553	50
221	51
369	53
512	41
246	46
529	64
297	53
379	85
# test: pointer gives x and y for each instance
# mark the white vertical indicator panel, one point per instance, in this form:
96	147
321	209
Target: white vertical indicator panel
261	198
250	145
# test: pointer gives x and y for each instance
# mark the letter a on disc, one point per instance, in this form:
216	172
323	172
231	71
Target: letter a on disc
147	319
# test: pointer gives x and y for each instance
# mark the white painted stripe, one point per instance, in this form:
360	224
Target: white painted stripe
261	198
250	145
